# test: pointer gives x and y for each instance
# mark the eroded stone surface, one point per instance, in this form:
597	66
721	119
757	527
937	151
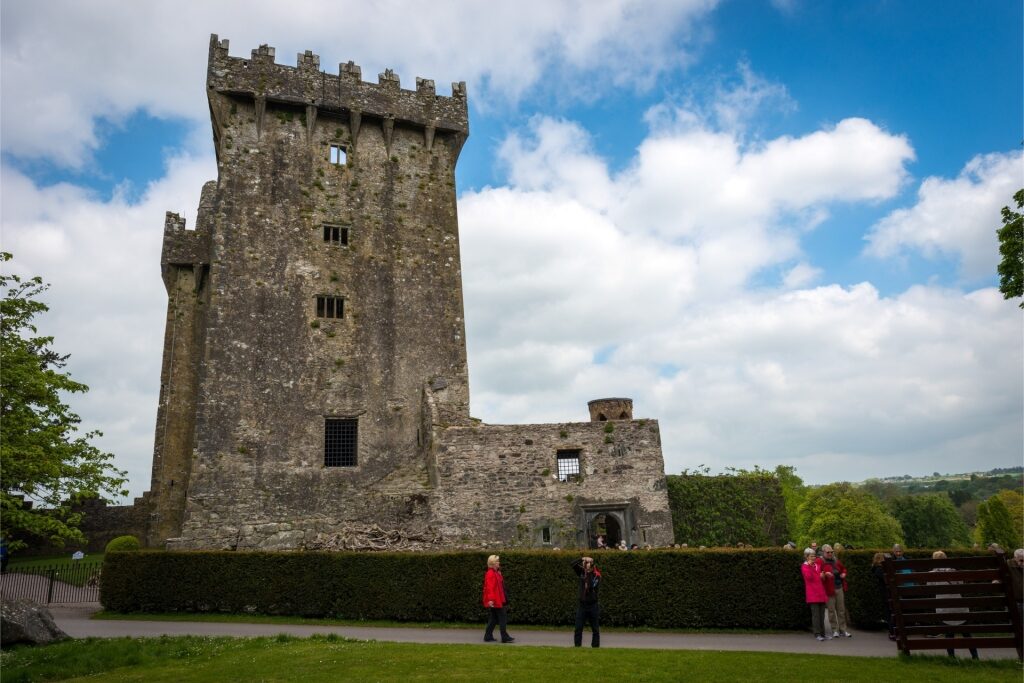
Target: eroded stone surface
26	622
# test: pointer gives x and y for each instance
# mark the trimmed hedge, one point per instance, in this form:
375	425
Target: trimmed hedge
123	544
715	588
717	510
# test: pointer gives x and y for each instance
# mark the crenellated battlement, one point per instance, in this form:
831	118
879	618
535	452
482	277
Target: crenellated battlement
260	77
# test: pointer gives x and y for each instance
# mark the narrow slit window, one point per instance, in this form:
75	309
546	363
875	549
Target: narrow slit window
339	155
546	534
341	440
568	465
336	234
330	307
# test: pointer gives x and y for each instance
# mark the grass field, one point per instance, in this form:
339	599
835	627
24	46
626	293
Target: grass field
329	658
52	561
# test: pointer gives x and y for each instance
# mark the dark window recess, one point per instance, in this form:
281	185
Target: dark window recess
546	534
340	441
335	234
568	465
330	307
339	156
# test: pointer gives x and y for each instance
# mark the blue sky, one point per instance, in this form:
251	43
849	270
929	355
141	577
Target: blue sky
770	223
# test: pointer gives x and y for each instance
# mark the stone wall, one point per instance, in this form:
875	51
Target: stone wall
502	482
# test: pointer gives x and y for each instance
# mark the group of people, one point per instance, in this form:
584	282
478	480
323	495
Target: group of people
825	587
588	611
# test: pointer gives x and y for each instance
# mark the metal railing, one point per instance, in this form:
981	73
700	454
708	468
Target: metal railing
59	583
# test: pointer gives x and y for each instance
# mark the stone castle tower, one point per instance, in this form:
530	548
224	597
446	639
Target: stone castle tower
314	375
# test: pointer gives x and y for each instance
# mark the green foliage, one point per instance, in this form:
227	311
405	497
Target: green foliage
744	507
662	588
1014	502
930	521
123	544
1011	247
995	524
44	459
842	513
793	494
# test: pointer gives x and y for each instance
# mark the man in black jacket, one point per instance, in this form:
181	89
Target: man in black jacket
587	609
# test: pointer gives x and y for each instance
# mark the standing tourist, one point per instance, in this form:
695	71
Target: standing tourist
814	592
878	573
495	601
1017	577
587	609
835	574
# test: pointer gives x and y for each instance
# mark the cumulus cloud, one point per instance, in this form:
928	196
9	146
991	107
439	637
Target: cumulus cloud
954	218
582	283
106	59
107	301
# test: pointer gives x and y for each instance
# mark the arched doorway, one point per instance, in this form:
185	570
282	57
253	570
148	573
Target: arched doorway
607	525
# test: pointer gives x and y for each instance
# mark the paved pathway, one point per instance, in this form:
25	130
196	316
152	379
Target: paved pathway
76	622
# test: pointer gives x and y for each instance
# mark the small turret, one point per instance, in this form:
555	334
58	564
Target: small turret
602	409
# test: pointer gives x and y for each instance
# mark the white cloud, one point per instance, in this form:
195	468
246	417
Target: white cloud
107	302
955	218
66	64
589	283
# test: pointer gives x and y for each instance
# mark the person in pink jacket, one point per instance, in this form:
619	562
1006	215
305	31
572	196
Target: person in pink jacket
495	600
814	592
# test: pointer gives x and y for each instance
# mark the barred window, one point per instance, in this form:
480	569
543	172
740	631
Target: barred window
340	442
339	155
330	306
568	465
335	234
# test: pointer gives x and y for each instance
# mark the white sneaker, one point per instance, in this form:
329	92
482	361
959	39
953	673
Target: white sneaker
835	634
847	634
820	637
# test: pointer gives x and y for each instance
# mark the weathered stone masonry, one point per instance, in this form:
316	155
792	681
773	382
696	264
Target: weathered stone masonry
322	284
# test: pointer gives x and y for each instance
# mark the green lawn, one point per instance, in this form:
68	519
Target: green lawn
52	561
329	658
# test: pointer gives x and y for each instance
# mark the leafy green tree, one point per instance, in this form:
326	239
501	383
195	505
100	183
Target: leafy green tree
43	458
995	524
842	513
1014	502
1011	246
930	521
793	493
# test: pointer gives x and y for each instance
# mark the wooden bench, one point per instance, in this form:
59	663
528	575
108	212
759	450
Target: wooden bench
977	591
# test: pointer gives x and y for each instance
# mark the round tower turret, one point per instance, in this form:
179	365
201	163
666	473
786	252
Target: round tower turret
602	409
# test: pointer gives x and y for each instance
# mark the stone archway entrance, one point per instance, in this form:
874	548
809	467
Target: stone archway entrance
610	520
607	525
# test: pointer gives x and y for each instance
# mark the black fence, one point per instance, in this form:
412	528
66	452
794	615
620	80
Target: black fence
59	583
953	603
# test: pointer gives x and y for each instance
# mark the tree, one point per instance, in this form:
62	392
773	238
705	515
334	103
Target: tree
793	493
930	521
841	513
43	458
995	524
1014	502
1011	246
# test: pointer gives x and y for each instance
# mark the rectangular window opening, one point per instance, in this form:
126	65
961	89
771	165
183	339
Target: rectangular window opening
330	306
545	534
336	234
568	465
339	156
340	442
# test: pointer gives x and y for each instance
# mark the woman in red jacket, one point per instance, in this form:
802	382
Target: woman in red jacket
814	592
494	600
